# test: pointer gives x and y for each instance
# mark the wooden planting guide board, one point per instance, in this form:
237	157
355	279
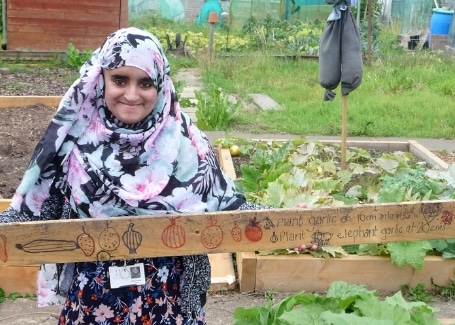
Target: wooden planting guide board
230	231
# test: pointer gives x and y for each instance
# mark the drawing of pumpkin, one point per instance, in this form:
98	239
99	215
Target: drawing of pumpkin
173	236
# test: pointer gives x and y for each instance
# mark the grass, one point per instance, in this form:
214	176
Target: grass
403	93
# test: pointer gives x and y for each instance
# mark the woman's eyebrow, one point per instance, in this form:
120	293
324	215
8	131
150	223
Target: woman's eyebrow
121	76
146	79
118	76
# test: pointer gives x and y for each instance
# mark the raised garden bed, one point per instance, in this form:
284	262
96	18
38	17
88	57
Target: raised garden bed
293	273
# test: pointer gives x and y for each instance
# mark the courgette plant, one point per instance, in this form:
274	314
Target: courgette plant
343	304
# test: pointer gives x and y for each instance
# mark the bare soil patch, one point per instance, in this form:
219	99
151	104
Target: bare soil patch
20	130
32	80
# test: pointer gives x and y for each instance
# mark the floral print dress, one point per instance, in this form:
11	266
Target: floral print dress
91	301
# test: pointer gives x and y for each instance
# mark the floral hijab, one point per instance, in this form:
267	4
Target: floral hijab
108	168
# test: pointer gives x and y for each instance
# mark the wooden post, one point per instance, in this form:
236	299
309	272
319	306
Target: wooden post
344	118
370	9
213	19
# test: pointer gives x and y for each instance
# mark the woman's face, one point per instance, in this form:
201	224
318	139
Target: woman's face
129	94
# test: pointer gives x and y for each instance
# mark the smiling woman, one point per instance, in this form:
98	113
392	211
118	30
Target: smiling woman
130	94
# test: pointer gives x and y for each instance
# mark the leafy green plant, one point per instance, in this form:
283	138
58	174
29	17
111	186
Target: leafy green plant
448	291
417	293
281	36
245	145
215	110
343	304
184	102
75	58
274	35
13	296
284	174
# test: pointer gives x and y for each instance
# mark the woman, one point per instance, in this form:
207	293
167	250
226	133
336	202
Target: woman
119	145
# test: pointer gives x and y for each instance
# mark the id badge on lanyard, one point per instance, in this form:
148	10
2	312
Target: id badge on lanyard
127	275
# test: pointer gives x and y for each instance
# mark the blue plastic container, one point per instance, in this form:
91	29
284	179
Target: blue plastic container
440	21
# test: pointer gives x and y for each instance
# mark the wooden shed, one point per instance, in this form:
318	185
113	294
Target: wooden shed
50	25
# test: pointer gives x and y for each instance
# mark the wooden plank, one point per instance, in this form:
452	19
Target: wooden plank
50	25
54	19
151	236
226	162
22	101
27	42
426	155
264	102
223	273
316	274
4	204
123	19
81	5
246	270
58	18
20	279
31	56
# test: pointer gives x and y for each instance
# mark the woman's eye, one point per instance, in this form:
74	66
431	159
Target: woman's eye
119	82
147	84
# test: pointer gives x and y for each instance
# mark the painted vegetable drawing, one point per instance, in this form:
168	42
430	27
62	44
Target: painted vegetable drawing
103	256
3	252
173	236
86	243
109	239
212	235
132	239
236	233
253	230
48	246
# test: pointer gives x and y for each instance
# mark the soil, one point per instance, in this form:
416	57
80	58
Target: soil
22	127
32	80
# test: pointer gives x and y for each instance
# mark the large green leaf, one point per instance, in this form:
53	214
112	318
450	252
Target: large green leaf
411	253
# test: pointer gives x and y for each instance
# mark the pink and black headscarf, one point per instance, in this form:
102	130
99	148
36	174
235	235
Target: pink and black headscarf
108	168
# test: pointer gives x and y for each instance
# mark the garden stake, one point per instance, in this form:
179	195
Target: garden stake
344	113
213	19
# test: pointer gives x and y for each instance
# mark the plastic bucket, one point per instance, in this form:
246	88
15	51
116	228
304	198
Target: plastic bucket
440	21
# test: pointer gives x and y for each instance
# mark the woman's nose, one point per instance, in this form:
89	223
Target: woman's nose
131	92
